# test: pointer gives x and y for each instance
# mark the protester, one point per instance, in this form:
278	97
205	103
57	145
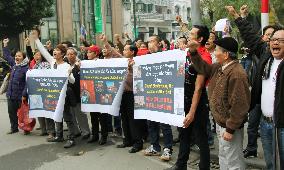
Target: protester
195	108
143	50
154	127
72	55
166	45
229	98
132	128
57	62
267	90
16	88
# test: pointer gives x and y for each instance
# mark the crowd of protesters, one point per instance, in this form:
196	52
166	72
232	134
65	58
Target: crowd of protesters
216	83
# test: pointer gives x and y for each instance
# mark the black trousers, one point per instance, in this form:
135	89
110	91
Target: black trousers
133	129
195	133
13	106
97	119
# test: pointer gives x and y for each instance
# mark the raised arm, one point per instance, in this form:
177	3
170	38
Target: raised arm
115	54
7	53
248	33
42	49
29	49
201	66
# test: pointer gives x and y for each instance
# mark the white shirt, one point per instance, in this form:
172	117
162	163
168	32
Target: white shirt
64	66
268	90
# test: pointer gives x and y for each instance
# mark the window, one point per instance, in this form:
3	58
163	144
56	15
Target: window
75	6
150	8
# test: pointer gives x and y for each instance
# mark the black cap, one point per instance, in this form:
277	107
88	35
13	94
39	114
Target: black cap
228	43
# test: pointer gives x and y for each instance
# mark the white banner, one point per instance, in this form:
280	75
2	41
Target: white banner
102	84
47	92
159	87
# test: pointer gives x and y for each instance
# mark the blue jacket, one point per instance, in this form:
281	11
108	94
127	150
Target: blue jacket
17	80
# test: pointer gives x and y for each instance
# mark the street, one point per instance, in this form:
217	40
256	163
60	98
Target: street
20	152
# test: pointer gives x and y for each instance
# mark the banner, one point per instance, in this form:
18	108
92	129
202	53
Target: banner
47	92
102	85
159	87
98	16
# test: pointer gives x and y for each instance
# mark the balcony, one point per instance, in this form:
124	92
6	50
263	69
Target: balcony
161	17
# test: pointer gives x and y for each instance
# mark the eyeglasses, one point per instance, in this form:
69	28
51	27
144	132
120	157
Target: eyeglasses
280	40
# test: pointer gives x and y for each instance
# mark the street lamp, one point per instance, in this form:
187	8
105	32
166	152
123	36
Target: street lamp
139	5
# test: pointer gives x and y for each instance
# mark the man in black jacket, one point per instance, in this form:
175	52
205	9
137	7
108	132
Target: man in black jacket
268	88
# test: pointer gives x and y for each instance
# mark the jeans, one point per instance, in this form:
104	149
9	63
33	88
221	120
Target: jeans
280	148
246	63
209	132
117	123
154	134
266	134
252	129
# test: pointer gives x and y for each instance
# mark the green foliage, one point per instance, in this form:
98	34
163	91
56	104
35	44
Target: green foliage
278	7
213	10
19	15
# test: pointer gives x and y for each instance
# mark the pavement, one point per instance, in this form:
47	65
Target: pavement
20	152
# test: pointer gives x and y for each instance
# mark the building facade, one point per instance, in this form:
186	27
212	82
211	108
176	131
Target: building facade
154	17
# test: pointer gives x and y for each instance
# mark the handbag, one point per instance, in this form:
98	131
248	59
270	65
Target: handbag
4	86
24	122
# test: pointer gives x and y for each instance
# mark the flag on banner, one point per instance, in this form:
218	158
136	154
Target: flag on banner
102	85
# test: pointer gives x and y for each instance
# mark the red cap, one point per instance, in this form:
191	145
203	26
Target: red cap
94	48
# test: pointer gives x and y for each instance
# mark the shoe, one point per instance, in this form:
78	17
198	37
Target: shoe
12	132
50	136
103	141
134	150
166	156
43	134
150	151
87	136
93	139
175	167
249	154
123	145
176	140
69	143
27	132
55	139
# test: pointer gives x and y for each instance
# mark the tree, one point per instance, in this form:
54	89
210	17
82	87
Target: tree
19	15
277	8
214	10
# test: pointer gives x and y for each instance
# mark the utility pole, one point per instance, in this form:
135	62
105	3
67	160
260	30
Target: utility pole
264	13
135	20
195	12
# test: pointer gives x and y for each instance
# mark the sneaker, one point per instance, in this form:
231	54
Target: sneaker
55	139
250	154
150	151
69	143
166	156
